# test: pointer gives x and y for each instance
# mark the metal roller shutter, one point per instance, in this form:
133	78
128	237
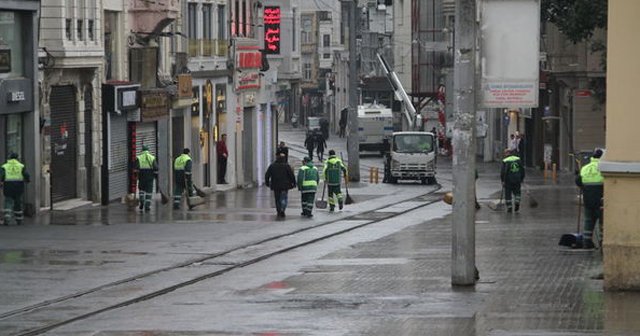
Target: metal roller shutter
64	140
118	159
146	135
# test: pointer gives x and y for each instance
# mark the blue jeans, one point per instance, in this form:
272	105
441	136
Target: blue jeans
282	199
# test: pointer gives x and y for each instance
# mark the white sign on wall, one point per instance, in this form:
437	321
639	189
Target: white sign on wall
510	31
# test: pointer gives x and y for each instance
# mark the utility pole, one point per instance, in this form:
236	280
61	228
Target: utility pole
463	249
352	120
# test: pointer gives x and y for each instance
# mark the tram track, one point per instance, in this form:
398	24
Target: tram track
191	272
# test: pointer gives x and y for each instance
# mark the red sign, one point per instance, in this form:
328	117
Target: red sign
272	29
249	59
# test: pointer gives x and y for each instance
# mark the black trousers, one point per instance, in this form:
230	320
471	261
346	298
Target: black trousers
222	169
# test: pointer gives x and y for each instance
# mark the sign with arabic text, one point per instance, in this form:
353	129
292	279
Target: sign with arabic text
272	30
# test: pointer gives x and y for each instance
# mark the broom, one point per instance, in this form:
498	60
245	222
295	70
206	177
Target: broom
500	205
163	197
533	203
347	200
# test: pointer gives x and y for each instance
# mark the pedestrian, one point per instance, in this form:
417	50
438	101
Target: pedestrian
310	144
324	128
147	169
591	182
13	177
182	177
513	143
520	146
283	149
343	125
321	144
223	154
512	175
308	178
280	178
333	172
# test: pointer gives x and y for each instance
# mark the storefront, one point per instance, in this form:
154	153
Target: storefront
19	116
120	104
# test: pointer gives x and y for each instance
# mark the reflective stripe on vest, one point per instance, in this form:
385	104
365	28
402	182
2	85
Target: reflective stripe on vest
13	170
312	182
590	173
145	160
181	162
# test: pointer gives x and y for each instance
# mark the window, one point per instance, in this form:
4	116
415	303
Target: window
110	44
67	28
326	55
222	34
326	40
206	21
306	71
307	36
192	21
79	27
294	30
192	30
68	22
206	30
90	30
11	36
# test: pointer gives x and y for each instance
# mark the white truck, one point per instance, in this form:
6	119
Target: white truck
411	156
375	127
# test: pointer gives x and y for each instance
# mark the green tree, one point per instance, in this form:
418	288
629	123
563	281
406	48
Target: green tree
578	19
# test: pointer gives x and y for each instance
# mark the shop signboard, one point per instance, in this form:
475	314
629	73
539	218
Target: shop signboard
154	105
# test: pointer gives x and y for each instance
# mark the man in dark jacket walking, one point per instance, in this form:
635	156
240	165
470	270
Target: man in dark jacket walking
310	144
13	177
321	144
592	184
512	175
280	178
283	149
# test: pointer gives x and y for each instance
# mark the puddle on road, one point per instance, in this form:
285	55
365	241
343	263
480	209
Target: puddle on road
63	257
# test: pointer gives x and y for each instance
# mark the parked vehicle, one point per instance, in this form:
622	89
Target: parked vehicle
411	156
375	127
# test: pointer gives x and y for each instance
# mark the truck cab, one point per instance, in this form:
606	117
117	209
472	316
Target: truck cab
411	156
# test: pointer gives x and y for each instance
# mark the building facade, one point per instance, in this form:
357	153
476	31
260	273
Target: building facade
21	124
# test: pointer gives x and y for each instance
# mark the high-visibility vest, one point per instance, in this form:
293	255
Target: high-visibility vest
310	177
181	162
590	173
145	160
333	166
13	171
514	164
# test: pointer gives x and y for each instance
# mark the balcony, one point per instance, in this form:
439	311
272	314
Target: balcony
222	48
209	48
194	47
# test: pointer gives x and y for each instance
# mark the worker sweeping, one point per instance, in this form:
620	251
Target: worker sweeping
308	178
333	172
512	175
